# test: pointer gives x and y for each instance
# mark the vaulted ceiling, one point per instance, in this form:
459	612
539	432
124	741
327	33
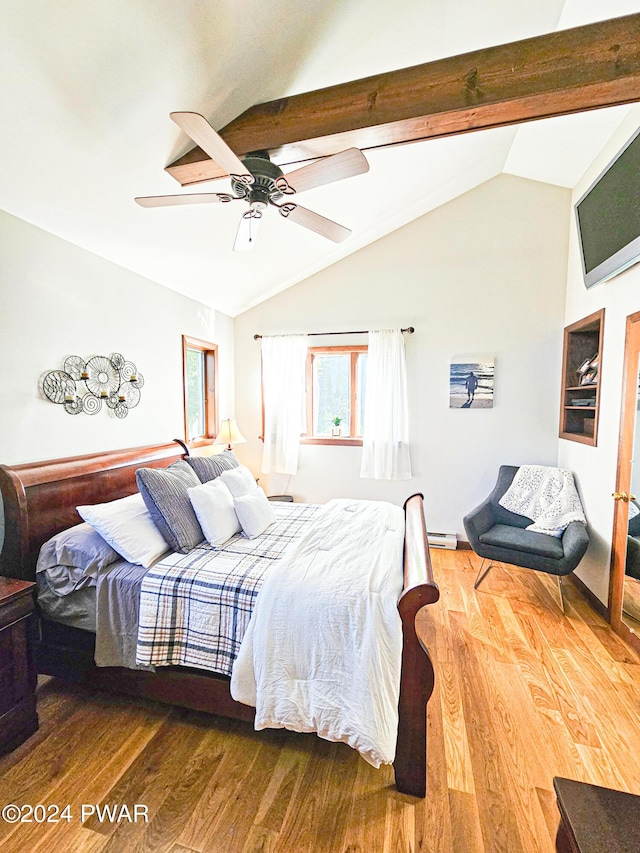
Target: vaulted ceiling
88	88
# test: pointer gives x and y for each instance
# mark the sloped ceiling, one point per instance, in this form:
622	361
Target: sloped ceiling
88	88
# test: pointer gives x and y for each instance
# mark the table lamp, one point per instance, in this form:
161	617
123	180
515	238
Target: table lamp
229	433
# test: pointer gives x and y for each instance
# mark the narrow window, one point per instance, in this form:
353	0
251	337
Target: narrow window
336	380
200	389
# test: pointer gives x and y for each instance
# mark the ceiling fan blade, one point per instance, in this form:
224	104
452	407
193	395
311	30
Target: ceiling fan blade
334	168
247	232
199	129
320	224
188	198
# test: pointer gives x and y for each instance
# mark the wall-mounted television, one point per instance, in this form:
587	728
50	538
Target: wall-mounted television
608	217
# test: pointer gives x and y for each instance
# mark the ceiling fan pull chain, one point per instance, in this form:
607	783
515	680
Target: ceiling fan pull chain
254	216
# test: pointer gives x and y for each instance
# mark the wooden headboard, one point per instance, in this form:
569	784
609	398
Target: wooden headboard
40	498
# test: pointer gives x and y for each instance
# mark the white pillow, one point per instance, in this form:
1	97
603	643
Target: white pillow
240	481
254	512
127	526
212	503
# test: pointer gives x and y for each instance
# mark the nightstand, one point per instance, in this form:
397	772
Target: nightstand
18	717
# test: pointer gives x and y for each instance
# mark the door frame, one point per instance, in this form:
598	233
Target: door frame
623	479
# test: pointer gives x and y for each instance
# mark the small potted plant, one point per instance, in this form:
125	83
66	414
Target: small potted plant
336	429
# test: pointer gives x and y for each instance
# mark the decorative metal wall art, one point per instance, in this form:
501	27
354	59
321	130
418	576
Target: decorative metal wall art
83	386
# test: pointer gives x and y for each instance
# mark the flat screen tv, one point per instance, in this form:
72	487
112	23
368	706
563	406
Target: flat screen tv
608	217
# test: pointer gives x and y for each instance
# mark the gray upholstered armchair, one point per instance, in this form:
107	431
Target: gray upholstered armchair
499	536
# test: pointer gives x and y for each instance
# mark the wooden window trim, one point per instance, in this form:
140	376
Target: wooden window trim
346	440
210	351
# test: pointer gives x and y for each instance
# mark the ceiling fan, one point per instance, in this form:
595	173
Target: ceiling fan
258	181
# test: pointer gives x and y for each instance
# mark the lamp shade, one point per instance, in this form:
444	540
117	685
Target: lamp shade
229	433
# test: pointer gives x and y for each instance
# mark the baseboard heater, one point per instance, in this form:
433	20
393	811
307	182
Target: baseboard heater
442	540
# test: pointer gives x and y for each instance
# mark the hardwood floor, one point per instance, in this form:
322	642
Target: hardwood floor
522	694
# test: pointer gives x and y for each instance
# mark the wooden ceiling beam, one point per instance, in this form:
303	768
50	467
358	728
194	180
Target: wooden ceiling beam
584	68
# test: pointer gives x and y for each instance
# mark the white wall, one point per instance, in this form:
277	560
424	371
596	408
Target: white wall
482	274
595	467
58	300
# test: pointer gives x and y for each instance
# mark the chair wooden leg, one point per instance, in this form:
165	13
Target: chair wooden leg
482	573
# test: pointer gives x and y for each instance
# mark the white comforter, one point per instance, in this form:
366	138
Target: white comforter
323	648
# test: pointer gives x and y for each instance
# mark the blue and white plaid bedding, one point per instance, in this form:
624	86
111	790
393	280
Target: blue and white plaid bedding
195	607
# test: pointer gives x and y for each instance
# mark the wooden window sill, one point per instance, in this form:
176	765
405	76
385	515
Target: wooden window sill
342	442
199	442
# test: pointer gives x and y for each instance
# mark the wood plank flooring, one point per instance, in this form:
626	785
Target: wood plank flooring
522	694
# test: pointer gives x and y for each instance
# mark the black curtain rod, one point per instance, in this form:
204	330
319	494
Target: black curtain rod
409	330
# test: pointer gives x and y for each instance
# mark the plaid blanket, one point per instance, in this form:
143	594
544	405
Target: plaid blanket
195	607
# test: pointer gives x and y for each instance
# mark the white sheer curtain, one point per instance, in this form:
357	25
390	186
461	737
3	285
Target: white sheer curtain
385	451
284	360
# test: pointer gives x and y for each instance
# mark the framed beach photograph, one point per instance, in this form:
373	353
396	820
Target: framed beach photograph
471	382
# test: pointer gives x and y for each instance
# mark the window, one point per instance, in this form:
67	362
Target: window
336	383
200	389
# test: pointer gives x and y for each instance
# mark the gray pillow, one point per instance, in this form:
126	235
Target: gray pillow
164	491
209	467
79	547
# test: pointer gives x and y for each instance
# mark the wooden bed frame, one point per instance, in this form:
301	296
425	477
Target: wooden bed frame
40	500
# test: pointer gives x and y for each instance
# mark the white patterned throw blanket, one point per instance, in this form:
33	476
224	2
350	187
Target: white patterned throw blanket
323	650
547	495
195	607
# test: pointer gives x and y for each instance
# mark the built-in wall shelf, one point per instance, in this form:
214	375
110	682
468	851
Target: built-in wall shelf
581	372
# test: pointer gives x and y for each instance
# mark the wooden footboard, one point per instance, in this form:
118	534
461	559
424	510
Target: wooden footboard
416	685
40	500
